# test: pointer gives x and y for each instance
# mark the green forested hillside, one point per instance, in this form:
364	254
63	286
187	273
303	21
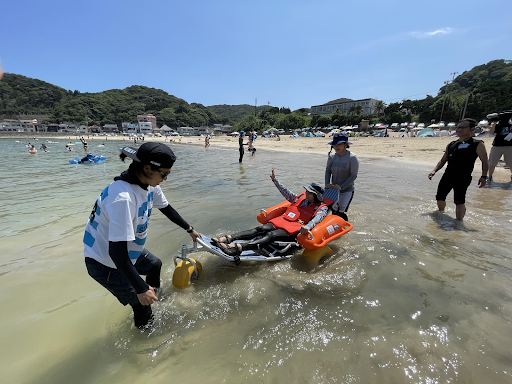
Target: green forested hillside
487	88
23	95
235	113
118	105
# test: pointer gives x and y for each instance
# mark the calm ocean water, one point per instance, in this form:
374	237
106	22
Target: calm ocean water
410	295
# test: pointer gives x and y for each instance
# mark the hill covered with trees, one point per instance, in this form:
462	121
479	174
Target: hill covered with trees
235	113
23	95
485	89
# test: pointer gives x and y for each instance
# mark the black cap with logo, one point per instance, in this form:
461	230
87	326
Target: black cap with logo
157	154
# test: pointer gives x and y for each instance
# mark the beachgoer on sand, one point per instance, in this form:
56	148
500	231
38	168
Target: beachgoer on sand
461	155
117	229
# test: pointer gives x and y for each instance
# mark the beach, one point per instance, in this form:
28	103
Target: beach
409	295
425	150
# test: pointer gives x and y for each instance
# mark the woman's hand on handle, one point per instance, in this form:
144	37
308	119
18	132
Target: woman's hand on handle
148	297
194	235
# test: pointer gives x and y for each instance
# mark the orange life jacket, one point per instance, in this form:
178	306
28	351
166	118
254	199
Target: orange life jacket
295	216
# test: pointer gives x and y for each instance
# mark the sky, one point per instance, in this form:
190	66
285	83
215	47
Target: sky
291	54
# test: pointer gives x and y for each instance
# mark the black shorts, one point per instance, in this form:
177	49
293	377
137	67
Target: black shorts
458	184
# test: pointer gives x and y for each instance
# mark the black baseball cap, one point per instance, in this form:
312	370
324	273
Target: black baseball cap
157	154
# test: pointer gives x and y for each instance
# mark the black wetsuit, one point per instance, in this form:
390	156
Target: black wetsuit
461	161
241	149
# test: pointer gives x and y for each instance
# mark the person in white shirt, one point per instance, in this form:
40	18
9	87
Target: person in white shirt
117	229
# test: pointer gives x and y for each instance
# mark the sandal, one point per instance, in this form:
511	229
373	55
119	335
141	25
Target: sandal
234	250
227	239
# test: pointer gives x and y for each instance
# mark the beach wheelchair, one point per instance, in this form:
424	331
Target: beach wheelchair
314	244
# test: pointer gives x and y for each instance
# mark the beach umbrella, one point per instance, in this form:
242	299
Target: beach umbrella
433	126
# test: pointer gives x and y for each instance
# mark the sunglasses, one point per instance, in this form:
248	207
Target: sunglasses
164	175
462	126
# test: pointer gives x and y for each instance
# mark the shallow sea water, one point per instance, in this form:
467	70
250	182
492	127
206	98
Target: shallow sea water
410	295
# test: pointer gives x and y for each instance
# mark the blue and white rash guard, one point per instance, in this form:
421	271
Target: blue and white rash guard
121	213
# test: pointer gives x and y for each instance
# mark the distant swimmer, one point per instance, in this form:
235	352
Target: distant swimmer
461	155
341	172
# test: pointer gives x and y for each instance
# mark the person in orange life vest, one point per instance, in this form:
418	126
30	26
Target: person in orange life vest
305	212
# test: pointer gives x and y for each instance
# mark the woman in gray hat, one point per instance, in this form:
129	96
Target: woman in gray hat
340	173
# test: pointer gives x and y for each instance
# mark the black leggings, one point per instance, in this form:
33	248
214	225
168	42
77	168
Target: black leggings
269	233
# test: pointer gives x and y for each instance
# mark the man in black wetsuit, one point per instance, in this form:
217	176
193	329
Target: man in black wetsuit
461	155
241	146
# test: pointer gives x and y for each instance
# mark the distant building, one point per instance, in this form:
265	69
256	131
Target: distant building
185	131
145	127
94	129
110	128
52	128
148	118
367	105
130	128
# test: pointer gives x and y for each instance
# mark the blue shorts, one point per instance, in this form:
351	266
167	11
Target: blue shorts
116	282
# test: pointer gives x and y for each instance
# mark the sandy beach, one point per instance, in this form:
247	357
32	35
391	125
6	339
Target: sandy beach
427	150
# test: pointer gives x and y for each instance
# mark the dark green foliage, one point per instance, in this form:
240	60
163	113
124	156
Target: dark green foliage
236	113
23	95
488	88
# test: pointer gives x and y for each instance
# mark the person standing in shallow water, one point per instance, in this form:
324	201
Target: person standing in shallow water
461	155
117	229
340	173
241	145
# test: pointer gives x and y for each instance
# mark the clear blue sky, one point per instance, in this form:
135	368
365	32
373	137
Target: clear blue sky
289	53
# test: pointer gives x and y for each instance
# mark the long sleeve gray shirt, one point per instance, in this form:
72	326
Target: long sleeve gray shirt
342	170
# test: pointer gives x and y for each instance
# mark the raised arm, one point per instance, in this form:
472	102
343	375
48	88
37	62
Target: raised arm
287	194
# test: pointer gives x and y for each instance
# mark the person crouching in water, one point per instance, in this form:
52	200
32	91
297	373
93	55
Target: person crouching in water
305	212
118	226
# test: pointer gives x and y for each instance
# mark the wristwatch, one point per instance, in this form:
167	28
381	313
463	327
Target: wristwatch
190	230
484	177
